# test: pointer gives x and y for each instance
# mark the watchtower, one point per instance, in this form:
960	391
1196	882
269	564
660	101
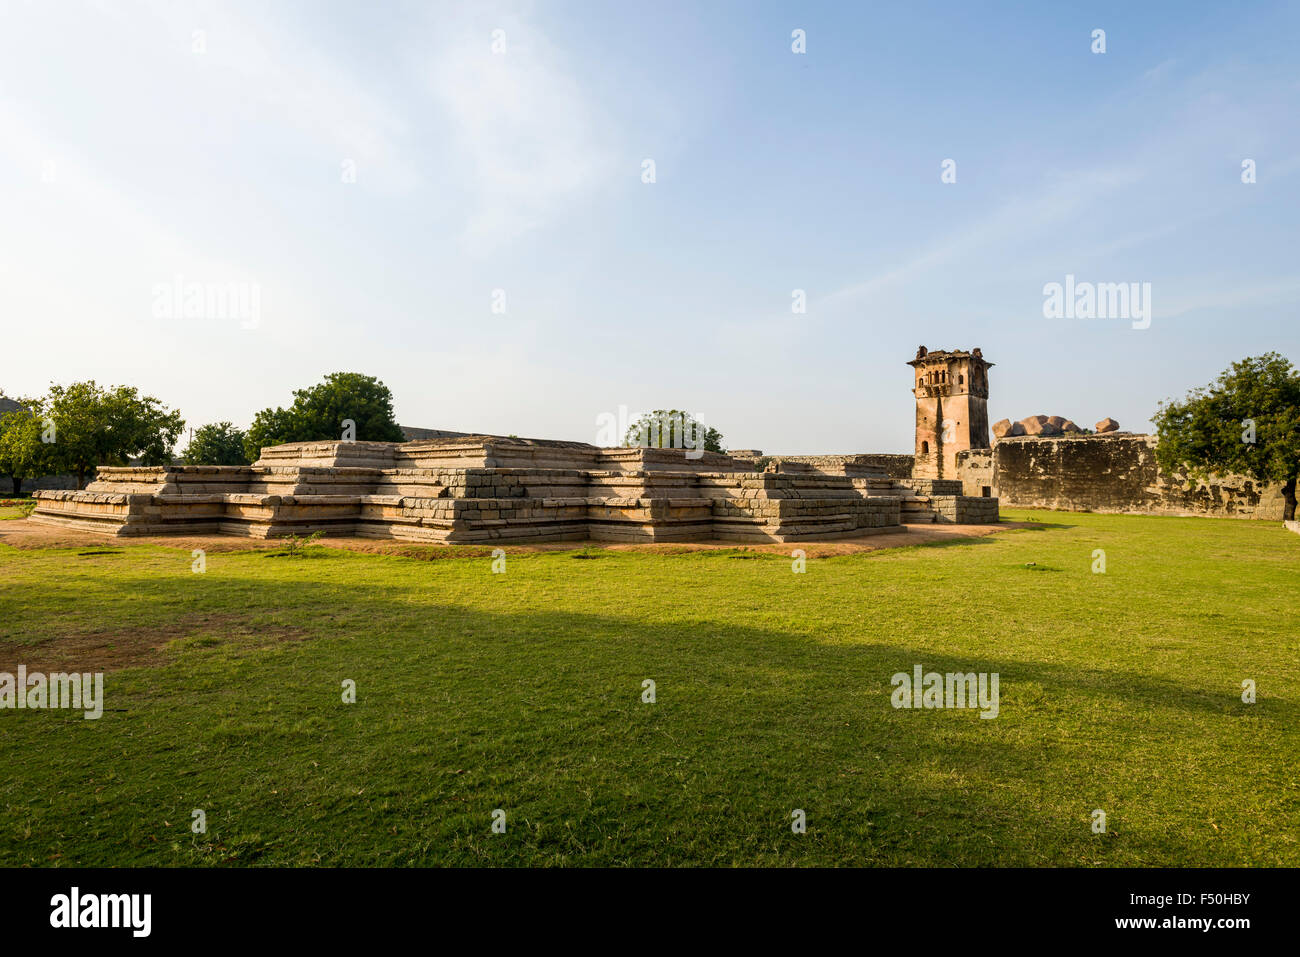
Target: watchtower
952	391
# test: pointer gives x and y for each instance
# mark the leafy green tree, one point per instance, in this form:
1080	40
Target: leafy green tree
270	427
1246	422
96	426
663	428
22	453
319	413
217	444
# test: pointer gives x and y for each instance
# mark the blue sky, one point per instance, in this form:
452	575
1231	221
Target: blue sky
132	152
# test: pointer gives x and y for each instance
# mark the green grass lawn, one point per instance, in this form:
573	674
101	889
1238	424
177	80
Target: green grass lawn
522	691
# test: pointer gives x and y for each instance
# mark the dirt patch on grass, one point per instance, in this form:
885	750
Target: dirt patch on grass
909	535
134	646
23	534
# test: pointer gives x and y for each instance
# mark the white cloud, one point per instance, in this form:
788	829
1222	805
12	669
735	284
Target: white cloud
1215	294
1159	71
526	135
251	58
1017	218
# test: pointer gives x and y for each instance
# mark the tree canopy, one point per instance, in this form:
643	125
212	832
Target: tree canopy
672	428
1245	422
320	412
22	453
78	427
96	426
217	444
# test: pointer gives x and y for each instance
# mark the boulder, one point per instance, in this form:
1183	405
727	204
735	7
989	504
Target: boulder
1039	425
1069	426
1001	428
1057	421
1107	425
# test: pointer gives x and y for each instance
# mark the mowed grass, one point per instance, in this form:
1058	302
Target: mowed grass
522	692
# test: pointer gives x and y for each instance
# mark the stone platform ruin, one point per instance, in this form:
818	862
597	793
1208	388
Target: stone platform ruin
481	489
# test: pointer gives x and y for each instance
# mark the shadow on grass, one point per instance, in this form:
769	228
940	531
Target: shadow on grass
540	708
1033	525
943	543
408	613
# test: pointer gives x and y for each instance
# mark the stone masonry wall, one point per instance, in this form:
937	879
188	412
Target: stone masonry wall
964	509
975	469
930	486
1108	473
894	466
44	482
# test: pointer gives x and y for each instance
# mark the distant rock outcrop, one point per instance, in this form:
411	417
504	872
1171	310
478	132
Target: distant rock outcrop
1006	429
1107	425
1040	425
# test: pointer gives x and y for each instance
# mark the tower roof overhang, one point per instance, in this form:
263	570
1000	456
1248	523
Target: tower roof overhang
942	355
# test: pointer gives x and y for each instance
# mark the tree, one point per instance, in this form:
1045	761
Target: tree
270	427
217	444
96	426
319	413
22	453
1246	422
672	428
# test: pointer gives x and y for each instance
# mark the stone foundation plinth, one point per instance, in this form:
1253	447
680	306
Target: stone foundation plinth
480	490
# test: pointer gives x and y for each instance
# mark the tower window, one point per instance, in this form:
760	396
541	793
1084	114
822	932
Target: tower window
925	448
961	380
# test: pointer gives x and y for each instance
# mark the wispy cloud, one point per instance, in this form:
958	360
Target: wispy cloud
1160	70
527	137
251	57
1201	293
1056	202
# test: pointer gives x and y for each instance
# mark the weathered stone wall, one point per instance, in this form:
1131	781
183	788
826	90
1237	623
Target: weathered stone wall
964	509
1108	473
975	470
893	466
414	434
44	482
933	486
